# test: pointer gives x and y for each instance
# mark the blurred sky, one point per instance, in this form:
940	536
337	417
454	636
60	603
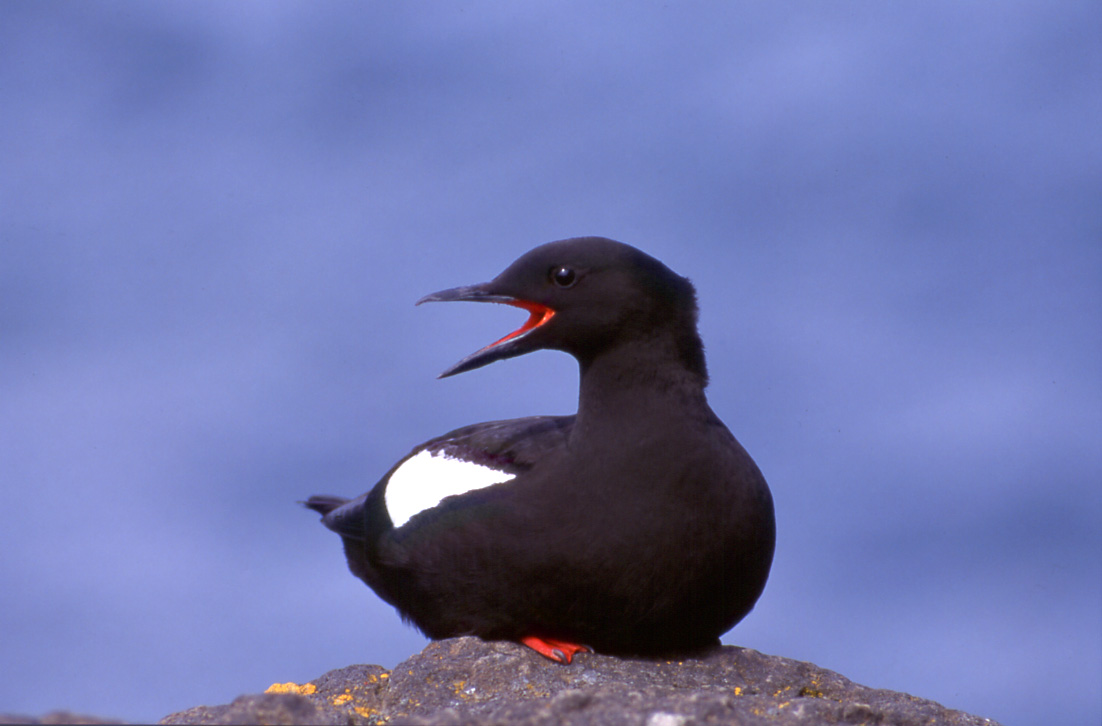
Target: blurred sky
215	219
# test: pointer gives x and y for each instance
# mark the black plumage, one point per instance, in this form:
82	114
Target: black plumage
637	526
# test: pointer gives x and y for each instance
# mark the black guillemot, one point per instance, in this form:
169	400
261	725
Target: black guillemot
638	526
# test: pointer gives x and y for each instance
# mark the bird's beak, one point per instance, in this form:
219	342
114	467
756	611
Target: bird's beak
513	344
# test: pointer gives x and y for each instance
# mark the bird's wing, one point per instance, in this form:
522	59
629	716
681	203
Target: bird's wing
512	446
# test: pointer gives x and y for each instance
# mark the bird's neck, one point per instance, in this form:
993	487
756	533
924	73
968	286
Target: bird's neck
634	382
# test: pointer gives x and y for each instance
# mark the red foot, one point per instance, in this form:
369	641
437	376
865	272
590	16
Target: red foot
557	650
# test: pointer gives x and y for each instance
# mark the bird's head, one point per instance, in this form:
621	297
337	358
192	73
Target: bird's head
585	295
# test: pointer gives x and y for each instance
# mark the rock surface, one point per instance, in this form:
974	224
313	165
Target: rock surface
468	681
56	717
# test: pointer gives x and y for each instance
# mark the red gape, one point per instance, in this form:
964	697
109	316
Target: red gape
538	315
557	650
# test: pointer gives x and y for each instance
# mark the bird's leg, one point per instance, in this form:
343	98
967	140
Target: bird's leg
559	651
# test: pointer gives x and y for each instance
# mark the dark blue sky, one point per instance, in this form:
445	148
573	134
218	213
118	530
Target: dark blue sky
215	219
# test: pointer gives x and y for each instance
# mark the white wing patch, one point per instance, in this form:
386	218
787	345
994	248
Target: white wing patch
424	480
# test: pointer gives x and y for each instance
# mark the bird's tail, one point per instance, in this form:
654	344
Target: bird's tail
323	503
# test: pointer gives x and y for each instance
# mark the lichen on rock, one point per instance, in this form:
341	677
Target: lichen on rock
467	680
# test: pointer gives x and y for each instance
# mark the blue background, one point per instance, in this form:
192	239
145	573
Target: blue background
215	219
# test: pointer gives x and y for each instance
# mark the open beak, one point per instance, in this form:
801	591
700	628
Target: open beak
513	344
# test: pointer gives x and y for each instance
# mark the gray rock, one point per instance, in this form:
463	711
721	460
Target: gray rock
466	680
56	717
265	708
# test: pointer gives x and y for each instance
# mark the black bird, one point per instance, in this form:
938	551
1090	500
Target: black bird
637	526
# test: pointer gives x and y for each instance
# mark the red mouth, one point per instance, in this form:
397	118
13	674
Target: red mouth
539	315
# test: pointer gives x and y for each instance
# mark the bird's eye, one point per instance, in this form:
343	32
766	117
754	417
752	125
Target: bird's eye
563	276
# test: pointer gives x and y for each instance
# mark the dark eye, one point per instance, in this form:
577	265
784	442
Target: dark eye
563	276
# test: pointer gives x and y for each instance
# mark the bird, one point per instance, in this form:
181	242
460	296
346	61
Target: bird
638	526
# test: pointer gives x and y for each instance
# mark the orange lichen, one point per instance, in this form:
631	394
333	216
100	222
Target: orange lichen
305	689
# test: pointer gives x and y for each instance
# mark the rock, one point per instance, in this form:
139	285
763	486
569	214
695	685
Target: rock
466	680
56	717
264	708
